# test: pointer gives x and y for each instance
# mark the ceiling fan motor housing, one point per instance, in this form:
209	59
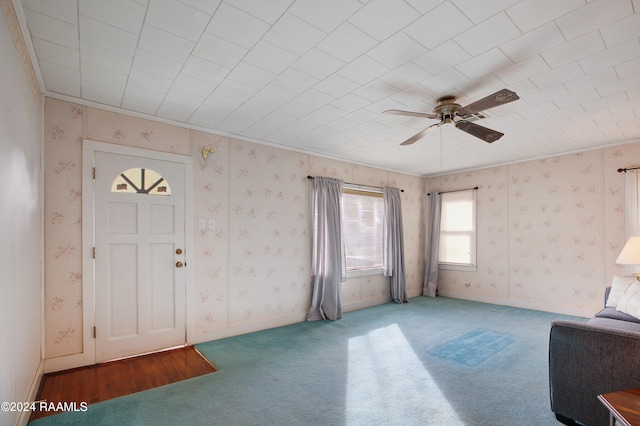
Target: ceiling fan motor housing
447	109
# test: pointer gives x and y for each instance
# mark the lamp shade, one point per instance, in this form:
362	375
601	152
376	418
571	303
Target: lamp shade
630	254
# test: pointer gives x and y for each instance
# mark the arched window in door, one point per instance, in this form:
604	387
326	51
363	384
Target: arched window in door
140	181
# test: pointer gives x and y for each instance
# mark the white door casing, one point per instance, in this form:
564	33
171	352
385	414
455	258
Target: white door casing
139	246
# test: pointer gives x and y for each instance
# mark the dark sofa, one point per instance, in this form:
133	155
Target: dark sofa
592	358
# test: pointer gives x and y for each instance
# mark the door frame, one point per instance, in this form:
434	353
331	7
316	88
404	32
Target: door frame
89	148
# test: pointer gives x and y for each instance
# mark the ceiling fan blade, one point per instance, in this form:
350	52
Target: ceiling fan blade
478	131
419	135
410	113
499	98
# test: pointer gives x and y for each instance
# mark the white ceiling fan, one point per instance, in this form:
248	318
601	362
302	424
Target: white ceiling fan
449	112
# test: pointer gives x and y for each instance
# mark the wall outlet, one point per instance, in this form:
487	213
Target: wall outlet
201	224
212	223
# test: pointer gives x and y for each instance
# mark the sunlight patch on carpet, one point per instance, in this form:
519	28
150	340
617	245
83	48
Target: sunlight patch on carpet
473	348
384	371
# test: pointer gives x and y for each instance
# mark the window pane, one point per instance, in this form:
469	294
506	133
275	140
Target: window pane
140	181
458	228
362	222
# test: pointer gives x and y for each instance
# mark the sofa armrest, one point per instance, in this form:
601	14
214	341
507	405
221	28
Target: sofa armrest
587	360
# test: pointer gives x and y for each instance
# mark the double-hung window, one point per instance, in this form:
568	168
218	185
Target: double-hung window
362	216
457	249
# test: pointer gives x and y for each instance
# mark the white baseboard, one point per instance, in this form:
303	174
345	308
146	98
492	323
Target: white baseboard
565	310
33	394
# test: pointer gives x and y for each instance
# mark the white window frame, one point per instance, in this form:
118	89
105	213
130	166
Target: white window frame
472	233
365	191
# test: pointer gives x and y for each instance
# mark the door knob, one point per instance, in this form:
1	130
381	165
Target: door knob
179	264
178	251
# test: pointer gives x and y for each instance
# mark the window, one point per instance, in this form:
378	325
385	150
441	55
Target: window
362	215
140	181
458	230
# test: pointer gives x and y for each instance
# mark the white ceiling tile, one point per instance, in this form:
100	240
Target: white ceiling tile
522	70
424	6
141	99
250	75
187	84
220	51
383	18
295	81
108	37
326	15
318	64
124	14
103	58
539	109
177	18
396	51
63	10
205	70
530	14
405	76
293	34
347	42
484	64
576	99
605	102
276	94
629	68
363	69
227	98
532	43
207	116
593	16
270	57
611	57
621	31
67	75
206	6
104	94
590	81
63	87
438	26
56	53
296	109
269	124
375	90
557	76
236	26
165	44
156	64
443	57
268	11
619	86
545	95
479	11
149	81
489	34
52	30
446	81
336	86
574	50
315	98
175	111
97	75
350	102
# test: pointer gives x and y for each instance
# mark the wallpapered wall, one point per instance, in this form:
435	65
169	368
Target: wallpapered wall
252	269
549	230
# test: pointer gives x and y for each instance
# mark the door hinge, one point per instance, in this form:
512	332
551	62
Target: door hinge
94	173
94	331
94	252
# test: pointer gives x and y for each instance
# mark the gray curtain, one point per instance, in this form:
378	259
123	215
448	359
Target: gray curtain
393	245
328	261
430	287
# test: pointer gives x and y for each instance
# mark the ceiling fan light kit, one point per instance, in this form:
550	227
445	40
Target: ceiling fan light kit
450	112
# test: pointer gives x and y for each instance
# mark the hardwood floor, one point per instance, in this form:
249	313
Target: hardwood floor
101	382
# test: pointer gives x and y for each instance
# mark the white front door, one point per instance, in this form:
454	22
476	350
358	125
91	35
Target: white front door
139	255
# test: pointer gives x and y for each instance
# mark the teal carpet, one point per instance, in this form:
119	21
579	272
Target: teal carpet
429	362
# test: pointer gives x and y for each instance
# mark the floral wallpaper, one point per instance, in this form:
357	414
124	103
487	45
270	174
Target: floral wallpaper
549	230
252	265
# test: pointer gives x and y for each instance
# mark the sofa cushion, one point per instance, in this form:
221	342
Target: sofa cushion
619	285
615	323
629	303
615	314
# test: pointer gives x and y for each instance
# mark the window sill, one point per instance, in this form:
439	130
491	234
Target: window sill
457	267
363	272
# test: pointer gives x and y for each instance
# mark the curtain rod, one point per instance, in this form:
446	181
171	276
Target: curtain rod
355	184
475	188
628	168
